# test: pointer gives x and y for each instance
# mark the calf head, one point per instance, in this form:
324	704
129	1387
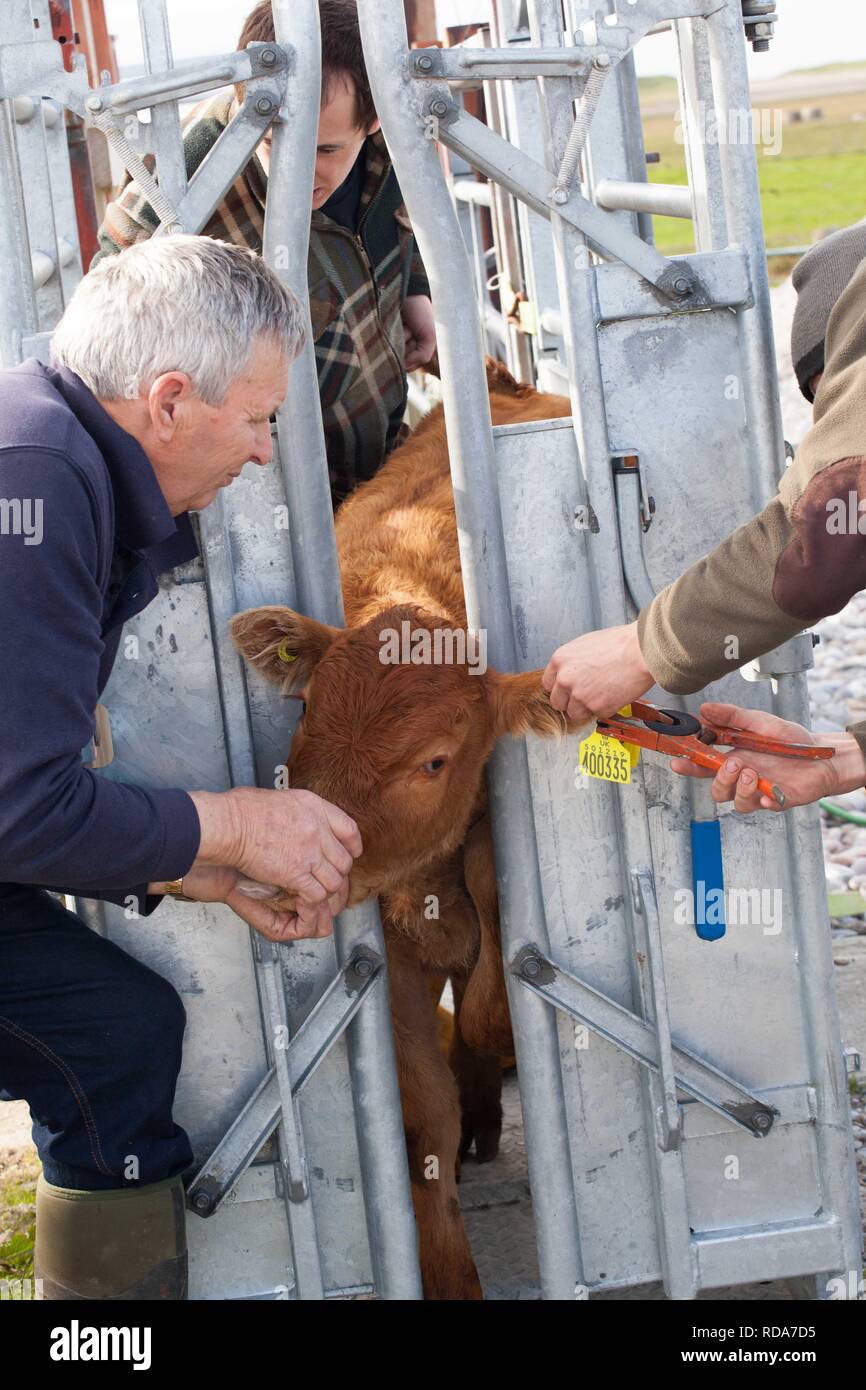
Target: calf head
399	746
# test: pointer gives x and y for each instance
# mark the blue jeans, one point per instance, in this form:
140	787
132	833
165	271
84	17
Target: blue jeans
92	1040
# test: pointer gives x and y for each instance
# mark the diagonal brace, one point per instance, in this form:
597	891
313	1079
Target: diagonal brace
531	183
638	1037
261	1114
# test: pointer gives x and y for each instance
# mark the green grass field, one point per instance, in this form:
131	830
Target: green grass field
816	182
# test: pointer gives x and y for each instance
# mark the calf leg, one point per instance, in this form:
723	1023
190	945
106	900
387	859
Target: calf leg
485	1020
479	1084
431	1117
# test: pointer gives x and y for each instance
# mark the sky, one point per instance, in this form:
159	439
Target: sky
807	35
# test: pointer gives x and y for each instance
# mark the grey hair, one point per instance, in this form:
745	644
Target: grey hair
175	304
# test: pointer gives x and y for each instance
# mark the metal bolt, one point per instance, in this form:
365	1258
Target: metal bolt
424	62
761	46
439	108
264	106
201	1202
682	286
601	60
764	30
94	103
364	968
763	1120
560	195
269	57
532	967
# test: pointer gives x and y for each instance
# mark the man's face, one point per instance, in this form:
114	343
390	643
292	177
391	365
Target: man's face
339	140
210	444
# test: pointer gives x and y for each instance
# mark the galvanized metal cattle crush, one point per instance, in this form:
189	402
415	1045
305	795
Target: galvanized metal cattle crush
701	1135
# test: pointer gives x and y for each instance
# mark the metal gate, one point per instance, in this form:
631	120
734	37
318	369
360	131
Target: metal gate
699	1052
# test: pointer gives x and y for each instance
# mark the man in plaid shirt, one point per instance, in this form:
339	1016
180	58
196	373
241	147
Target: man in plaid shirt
369	298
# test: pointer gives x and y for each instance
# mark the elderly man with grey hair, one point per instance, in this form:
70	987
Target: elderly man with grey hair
165	371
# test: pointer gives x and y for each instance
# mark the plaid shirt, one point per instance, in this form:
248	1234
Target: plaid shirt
358	285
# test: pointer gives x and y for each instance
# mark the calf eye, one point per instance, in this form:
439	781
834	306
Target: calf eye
435	765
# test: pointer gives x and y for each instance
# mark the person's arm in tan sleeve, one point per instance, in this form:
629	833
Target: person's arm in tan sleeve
775	576
779	573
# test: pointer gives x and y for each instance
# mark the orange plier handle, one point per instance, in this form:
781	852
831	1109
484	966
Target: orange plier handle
683	736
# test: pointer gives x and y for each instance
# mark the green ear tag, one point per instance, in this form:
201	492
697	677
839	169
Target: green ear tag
283	654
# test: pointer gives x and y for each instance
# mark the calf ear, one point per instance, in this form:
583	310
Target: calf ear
520	705
282	644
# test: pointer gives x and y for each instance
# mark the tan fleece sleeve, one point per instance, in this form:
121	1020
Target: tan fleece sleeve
859	732
801	558
721	612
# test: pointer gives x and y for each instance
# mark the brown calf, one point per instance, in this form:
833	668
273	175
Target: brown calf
402	749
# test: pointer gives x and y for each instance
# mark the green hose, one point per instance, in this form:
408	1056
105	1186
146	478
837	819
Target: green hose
855	817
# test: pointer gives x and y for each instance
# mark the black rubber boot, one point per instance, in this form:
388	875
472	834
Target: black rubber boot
128	1243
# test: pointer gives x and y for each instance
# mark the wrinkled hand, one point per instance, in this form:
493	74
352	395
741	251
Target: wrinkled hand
277	917
420	329
294	839
800	780
595	675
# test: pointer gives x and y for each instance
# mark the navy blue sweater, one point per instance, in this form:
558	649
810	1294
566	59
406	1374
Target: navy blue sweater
84	532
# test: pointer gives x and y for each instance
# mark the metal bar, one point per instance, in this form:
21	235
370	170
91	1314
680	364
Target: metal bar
165	117
381	1142
310	1045
727	55
532	184
745	1254
306	1258
578	301
703	162
494	324
31	140
640	1039
833	1136
660	199
222	604
286	242
506	248
455	64
291	1155
18	314
645	903
470	191
485	580
772	251
232	151
167	83
522	129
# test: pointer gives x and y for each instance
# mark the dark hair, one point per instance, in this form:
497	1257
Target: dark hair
342	54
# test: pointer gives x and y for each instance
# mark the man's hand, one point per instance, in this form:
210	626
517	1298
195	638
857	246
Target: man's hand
417	315
268	911
292	839
595	675
801	781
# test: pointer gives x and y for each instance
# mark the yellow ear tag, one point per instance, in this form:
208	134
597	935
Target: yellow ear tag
607	759
283	654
